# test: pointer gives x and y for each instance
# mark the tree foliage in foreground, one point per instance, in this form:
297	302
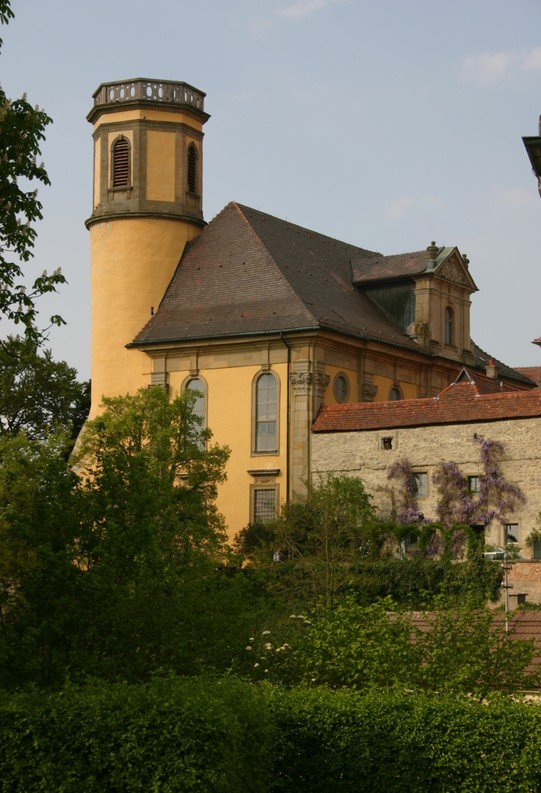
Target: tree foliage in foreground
113	572
22	131
457	650
39	395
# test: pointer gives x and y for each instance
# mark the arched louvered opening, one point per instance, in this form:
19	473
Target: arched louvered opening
192	169
121	163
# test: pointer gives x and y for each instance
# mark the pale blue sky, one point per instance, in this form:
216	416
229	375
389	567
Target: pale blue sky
386	124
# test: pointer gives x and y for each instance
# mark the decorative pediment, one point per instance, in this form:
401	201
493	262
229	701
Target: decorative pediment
454	268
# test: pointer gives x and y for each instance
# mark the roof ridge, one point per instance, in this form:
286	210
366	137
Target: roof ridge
240	209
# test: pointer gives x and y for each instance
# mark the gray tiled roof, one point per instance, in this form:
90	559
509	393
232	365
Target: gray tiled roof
249	273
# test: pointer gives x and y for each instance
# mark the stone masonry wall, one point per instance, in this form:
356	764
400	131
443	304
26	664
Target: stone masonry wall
363	454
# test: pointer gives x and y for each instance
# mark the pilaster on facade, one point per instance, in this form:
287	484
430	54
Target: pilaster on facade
308	382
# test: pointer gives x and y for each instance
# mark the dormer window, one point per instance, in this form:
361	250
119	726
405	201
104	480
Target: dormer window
449	326
120	169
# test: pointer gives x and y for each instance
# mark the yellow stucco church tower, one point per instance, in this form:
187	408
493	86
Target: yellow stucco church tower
147	204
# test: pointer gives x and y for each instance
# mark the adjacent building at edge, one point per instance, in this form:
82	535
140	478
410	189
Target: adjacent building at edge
267	320
365	440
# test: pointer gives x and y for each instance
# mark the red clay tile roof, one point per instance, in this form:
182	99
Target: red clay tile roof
532	372
460	403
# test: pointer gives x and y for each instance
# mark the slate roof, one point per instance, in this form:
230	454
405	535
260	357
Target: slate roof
379	267
249	273
462	402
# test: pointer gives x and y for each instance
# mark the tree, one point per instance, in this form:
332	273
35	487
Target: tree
114	572
22	129
40	586
460	651
335	527
149	469
37	394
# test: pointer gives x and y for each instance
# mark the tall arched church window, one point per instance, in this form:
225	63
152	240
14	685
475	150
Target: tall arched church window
395	393
192	168
449	325
199	407
266	414
120	170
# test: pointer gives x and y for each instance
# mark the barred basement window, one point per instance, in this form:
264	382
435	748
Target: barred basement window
264	504
192	169
121	163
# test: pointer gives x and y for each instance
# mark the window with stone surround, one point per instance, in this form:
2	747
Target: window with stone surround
473	484
264	506
120	163
265	414
199	408
511	534
449	326
420	484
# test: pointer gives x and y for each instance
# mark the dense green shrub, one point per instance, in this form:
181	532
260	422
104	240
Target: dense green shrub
173	735
341	742
229	736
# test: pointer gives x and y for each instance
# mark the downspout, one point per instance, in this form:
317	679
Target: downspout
288	420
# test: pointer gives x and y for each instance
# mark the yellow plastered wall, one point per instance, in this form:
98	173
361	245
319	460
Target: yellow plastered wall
332	372
160	165
384	385
133	261
229	417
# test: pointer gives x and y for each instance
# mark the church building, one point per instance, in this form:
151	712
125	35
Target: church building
266	320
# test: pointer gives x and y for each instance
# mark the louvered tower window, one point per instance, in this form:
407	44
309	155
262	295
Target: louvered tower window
121	163
192	169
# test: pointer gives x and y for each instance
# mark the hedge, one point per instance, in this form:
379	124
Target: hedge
230	736
173	735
